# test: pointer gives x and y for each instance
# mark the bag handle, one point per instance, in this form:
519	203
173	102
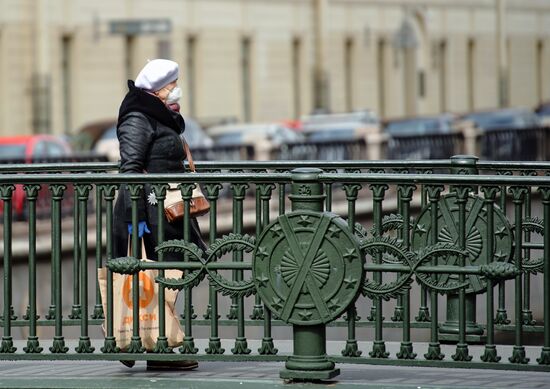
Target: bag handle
189	155
143	251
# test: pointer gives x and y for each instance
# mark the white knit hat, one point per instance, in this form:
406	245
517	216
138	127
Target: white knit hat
156	74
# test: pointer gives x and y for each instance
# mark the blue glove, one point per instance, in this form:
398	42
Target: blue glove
142	228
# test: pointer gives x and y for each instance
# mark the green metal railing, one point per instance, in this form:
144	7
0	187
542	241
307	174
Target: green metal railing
400	236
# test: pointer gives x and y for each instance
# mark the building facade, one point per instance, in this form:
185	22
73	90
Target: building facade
64	63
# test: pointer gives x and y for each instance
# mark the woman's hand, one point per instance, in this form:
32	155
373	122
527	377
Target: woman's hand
142	228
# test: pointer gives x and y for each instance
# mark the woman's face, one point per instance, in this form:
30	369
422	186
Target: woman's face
163	93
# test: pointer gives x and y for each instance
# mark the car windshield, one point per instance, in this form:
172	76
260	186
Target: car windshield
233	138
285	135
194	135
360	117
110	133
12	151
336	134
509	119
418	126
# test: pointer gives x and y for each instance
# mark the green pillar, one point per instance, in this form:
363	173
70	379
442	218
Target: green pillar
308	269
309	359
461	164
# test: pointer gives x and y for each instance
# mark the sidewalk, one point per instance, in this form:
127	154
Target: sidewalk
250	374
105	374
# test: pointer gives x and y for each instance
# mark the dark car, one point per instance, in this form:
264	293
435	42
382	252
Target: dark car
336	136
339	126
510	118
421	125
422	137
508	134
543	112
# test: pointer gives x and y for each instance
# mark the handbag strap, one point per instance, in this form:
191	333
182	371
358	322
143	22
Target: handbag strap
143	251
189	155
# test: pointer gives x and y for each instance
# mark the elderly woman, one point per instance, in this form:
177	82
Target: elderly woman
149	128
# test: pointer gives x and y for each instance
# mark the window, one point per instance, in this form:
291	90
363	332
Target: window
55	149
246	79
296	76
421	84
12	151
164	48
129	50
539	71
40	150
66	77
380	55
191	56
470	73
443	76
348	73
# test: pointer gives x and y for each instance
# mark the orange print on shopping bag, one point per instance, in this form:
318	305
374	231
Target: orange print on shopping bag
146	291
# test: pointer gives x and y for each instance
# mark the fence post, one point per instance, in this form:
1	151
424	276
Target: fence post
461	164
308	269
377	145
472	136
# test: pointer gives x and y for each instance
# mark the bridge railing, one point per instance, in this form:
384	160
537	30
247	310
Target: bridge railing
404	254
503	144
515	144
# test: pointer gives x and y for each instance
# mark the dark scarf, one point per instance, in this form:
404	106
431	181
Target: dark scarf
138	100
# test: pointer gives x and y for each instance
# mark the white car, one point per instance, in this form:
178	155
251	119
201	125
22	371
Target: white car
253	133
194	135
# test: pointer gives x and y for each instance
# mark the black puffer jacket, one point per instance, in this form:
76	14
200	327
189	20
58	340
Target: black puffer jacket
149	138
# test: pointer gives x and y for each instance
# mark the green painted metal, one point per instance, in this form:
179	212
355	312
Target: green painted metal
425	234
7	341
307	269
33	344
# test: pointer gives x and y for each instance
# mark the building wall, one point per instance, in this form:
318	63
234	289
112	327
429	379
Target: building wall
363	31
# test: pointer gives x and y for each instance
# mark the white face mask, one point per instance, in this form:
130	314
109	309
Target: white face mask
174	96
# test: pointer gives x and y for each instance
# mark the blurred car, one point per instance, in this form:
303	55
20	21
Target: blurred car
28	149
422	137
421	125
194	135
509	118
543	112
339	126
252	133
501	138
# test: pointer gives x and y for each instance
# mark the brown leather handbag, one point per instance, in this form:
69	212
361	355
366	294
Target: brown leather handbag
173	204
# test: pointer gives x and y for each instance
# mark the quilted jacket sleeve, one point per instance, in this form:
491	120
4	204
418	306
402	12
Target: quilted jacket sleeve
135	135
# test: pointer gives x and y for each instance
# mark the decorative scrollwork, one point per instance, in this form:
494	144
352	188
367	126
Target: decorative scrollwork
387	291
532	266
499	270
191	279
392	222
230	243
124	265
232	288
388	247
439	252
308	267
476	229
533	225
360	231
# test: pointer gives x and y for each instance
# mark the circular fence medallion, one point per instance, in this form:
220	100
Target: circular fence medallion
307	267
476	235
